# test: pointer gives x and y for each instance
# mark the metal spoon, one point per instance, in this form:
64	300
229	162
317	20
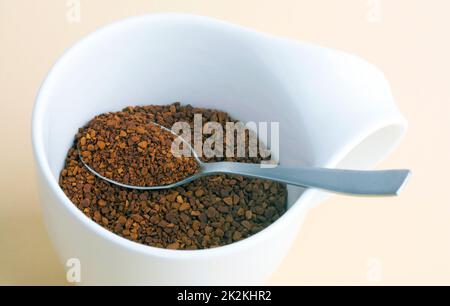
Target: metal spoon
352	182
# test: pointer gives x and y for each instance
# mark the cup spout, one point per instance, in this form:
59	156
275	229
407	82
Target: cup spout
347	113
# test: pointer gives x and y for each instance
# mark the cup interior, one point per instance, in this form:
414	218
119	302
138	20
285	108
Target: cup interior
144	62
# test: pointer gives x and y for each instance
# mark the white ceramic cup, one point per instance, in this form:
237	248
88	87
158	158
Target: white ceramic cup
334	110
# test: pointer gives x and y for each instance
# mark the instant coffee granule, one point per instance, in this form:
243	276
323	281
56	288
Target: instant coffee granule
129	148
208	212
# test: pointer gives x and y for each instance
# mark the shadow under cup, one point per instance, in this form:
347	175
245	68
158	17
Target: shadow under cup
333	110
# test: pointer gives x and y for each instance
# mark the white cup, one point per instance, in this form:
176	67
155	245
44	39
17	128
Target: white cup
334	110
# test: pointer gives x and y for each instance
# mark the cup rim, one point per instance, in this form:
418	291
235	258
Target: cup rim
44	167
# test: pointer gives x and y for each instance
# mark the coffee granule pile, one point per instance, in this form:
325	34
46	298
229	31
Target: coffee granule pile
208	212
129	148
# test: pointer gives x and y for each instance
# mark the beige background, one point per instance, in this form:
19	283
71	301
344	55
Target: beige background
403	240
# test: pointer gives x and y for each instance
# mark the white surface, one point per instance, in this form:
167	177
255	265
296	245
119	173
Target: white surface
332	108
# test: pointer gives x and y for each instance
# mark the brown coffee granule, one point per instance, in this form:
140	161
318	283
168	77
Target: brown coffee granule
129	148
208	212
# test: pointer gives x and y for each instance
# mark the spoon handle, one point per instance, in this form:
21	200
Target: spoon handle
354	182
